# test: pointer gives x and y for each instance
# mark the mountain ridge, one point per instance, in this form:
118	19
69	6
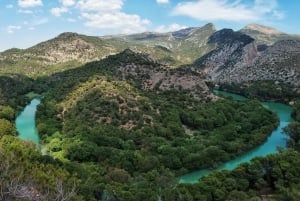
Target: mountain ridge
263	29
239	58
265	35
224	54
72	49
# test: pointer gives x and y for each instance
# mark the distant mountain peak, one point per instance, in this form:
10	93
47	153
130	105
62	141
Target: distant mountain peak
265	35
228	35
209	25
182	33
67	34
263	29
128	51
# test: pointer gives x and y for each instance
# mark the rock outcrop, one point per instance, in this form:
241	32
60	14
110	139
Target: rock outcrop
280	62
234	50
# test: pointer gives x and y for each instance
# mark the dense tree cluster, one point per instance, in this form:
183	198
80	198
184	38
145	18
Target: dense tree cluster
275	177
135	142
13	89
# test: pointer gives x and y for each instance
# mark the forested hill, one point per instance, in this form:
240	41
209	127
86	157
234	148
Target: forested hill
136	69
127	126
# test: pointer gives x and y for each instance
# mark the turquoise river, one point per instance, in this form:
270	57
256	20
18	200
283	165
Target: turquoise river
25	122
26	128
276	139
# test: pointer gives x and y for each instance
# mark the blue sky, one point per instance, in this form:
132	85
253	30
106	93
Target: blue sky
24	23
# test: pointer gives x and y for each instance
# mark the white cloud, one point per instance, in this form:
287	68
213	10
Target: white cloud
11	29
29	3
108	16
100	5
67	2
116	22
58	11
226	10
172	27
162	1
9	6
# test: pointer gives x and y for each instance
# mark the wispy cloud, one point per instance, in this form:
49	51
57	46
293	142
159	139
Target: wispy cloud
25	11
29	3
39	21
71	20
9	6
12	28
32	24
225	10
162	1
278	14
169	28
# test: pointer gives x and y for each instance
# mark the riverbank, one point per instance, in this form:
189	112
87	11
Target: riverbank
276	139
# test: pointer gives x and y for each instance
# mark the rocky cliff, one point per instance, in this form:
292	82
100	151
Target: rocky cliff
234	50
280	62
238	58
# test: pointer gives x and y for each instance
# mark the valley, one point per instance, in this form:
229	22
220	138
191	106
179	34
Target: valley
122	117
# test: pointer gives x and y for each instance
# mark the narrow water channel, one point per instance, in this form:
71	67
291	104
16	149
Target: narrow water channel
25	122
276	139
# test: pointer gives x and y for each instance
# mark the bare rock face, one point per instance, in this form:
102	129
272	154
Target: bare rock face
280	62
234	50
236	59
153	76
239	61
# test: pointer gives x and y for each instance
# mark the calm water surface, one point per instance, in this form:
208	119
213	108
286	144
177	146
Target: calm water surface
25	122
276	139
